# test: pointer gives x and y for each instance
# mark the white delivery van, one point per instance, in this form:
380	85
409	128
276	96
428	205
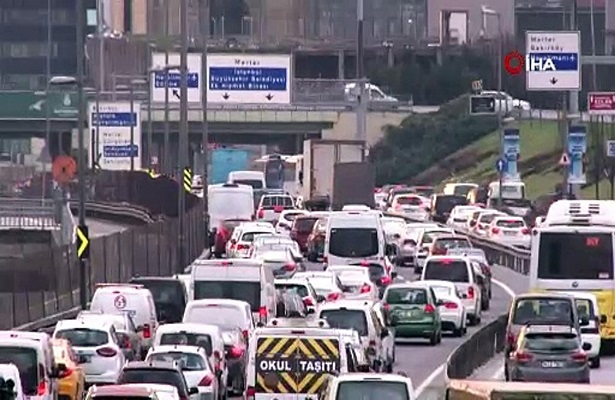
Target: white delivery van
354	236
230	202
236	279
256	179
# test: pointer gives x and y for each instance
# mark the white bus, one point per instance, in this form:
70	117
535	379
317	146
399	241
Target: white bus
572	250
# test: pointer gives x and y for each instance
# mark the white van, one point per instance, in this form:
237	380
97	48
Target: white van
10	371
32	353
256	179
354	237
587	308
237	279
459	188
134	299
229	202
281	356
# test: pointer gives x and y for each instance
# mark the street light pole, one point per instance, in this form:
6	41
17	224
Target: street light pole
150	123
166	161
83	295
182	158
204	11
362	102
132	126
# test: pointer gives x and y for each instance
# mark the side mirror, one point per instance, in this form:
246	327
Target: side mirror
320	298
194	390
394	274
603	319
480	280
310	310
384	333
586	347
583	321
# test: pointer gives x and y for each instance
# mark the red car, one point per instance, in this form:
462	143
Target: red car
301	229
223	234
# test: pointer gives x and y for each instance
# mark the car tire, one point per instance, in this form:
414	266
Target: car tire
433	339
485	305
440	336
473	320
458	332
594	362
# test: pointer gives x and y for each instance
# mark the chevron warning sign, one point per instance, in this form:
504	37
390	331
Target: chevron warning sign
187	179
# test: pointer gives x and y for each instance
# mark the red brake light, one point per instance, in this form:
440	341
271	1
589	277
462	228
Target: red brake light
206	381
250	393
386	280
450	305
511	338
579	357
241	246
470	292
261	213
366	288
308	302
278	209
65	373
365	263
246	334
429	309
446	261
262	312
147	331
439	252
41	389
235	352
495	231
290	267
106	352
523	357
525	231
333	296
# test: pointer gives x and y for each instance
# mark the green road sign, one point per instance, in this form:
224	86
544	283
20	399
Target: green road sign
18	105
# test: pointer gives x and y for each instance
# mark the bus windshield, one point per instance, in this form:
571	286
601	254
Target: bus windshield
575	256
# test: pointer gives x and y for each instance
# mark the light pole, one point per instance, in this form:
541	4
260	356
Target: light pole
204	11
487	12
362	102
182	159
153	71
134	122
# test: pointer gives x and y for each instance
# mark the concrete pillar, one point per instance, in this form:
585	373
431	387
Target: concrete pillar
340	64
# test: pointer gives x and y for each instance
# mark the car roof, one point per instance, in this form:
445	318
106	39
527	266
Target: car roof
348	304
415	284
292	281
549	295
583	295
217	302
157	387
347	267
151	365
454	236
137	278
188	327
122	391
373	376
91	323
168	348
314	274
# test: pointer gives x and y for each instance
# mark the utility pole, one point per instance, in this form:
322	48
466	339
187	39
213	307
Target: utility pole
150	123
47	99
204	11
166	161
83	295
361	99
573	102
182	157
133	122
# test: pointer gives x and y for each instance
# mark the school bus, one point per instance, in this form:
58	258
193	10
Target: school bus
496	390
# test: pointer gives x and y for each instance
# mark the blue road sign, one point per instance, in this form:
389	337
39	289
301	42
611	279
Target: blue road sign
247	79
500	165
610	148
114	119
561	61
175	80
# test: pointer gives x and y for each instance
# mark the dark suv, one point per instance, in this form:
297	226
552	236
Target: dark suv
169	294
158	373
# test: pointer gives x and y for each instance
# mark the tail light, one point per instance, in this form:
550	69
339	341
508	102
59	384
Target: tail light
511	338
429	309
246	334
333	296
41	389
290	267
260	213
206	381
278	209
450	305
470	292
523	357
262	312
65	373
525	231
386	280
579	357
106	352
366	288
241	247
235	352
495	231
308	302
147	331
250	393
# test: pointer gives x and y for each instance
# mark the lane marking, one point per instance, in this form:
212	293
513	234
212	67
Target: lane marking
429	380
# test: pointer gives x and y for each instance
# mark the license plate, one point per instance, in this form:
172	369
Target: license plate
411	313
552	364
86	358
510	233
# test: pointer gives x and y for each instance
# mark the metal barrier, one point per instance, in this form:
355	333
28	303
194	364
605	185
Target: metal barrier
28	214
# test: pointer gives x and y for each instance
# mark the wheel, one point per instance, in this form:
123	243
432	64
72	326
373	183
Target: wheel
433	339
472	320
595	362
311	257
459	332
485	305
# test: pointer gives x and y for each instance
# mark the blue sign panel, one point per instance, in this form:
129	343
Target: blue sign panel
247	79
114	119
610	148
558	62
577	146
511	150
175	80
118	151
500	165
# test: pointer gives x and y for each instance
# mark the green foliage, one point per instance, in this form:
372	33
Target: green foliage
425	139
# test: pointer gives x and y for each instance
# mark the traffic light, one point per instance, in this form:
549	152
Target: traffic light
7	389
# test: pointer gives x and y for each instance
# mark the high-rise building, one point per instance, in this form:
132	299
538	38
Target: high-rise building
28	47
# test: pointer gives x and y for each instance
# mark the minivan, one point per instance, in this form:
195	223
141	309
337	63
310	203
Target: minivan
170	296
229	205
354	236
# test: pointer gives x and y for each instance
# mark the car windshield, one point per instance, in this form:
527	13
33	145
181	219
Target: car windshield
447	270
553	342
406	296
154	375
372	390
346	319
428	237
225	317
255	183
169	298
304	225
250	292
249	236
353	242
300	290
187	339
84	337
188	362
445	244
585	309
25	360
543	309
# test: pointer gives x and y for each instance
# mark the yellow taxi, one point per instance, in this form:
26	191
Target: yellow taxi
72	378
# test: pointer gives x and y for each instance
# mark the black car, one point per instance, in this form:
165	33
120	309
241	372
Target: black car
169	294
159	373
443	205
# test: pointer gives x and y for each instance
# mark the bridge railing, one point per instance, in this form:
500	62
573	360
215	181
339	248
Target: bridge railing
28	214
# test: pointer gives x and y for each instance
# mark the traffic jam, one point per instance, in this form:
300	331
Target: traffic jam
305	304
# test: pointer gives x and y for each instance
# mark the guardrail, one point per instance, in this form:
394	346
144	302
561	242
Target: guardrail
115	211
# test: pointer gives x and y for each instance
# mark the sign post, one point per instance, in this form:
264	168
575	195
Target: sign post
482	105
610	153
553	60
500	166
577	146
116	147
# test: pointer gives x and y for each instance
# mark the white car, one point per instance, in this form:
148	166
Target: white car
94	341
394	228
509	230
452	310
272	205
304	289
369	386
483	221
356	282
506	104
325	283
243	235
285	222
458	219
423	244
410	205
194	365
587	307
163	392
